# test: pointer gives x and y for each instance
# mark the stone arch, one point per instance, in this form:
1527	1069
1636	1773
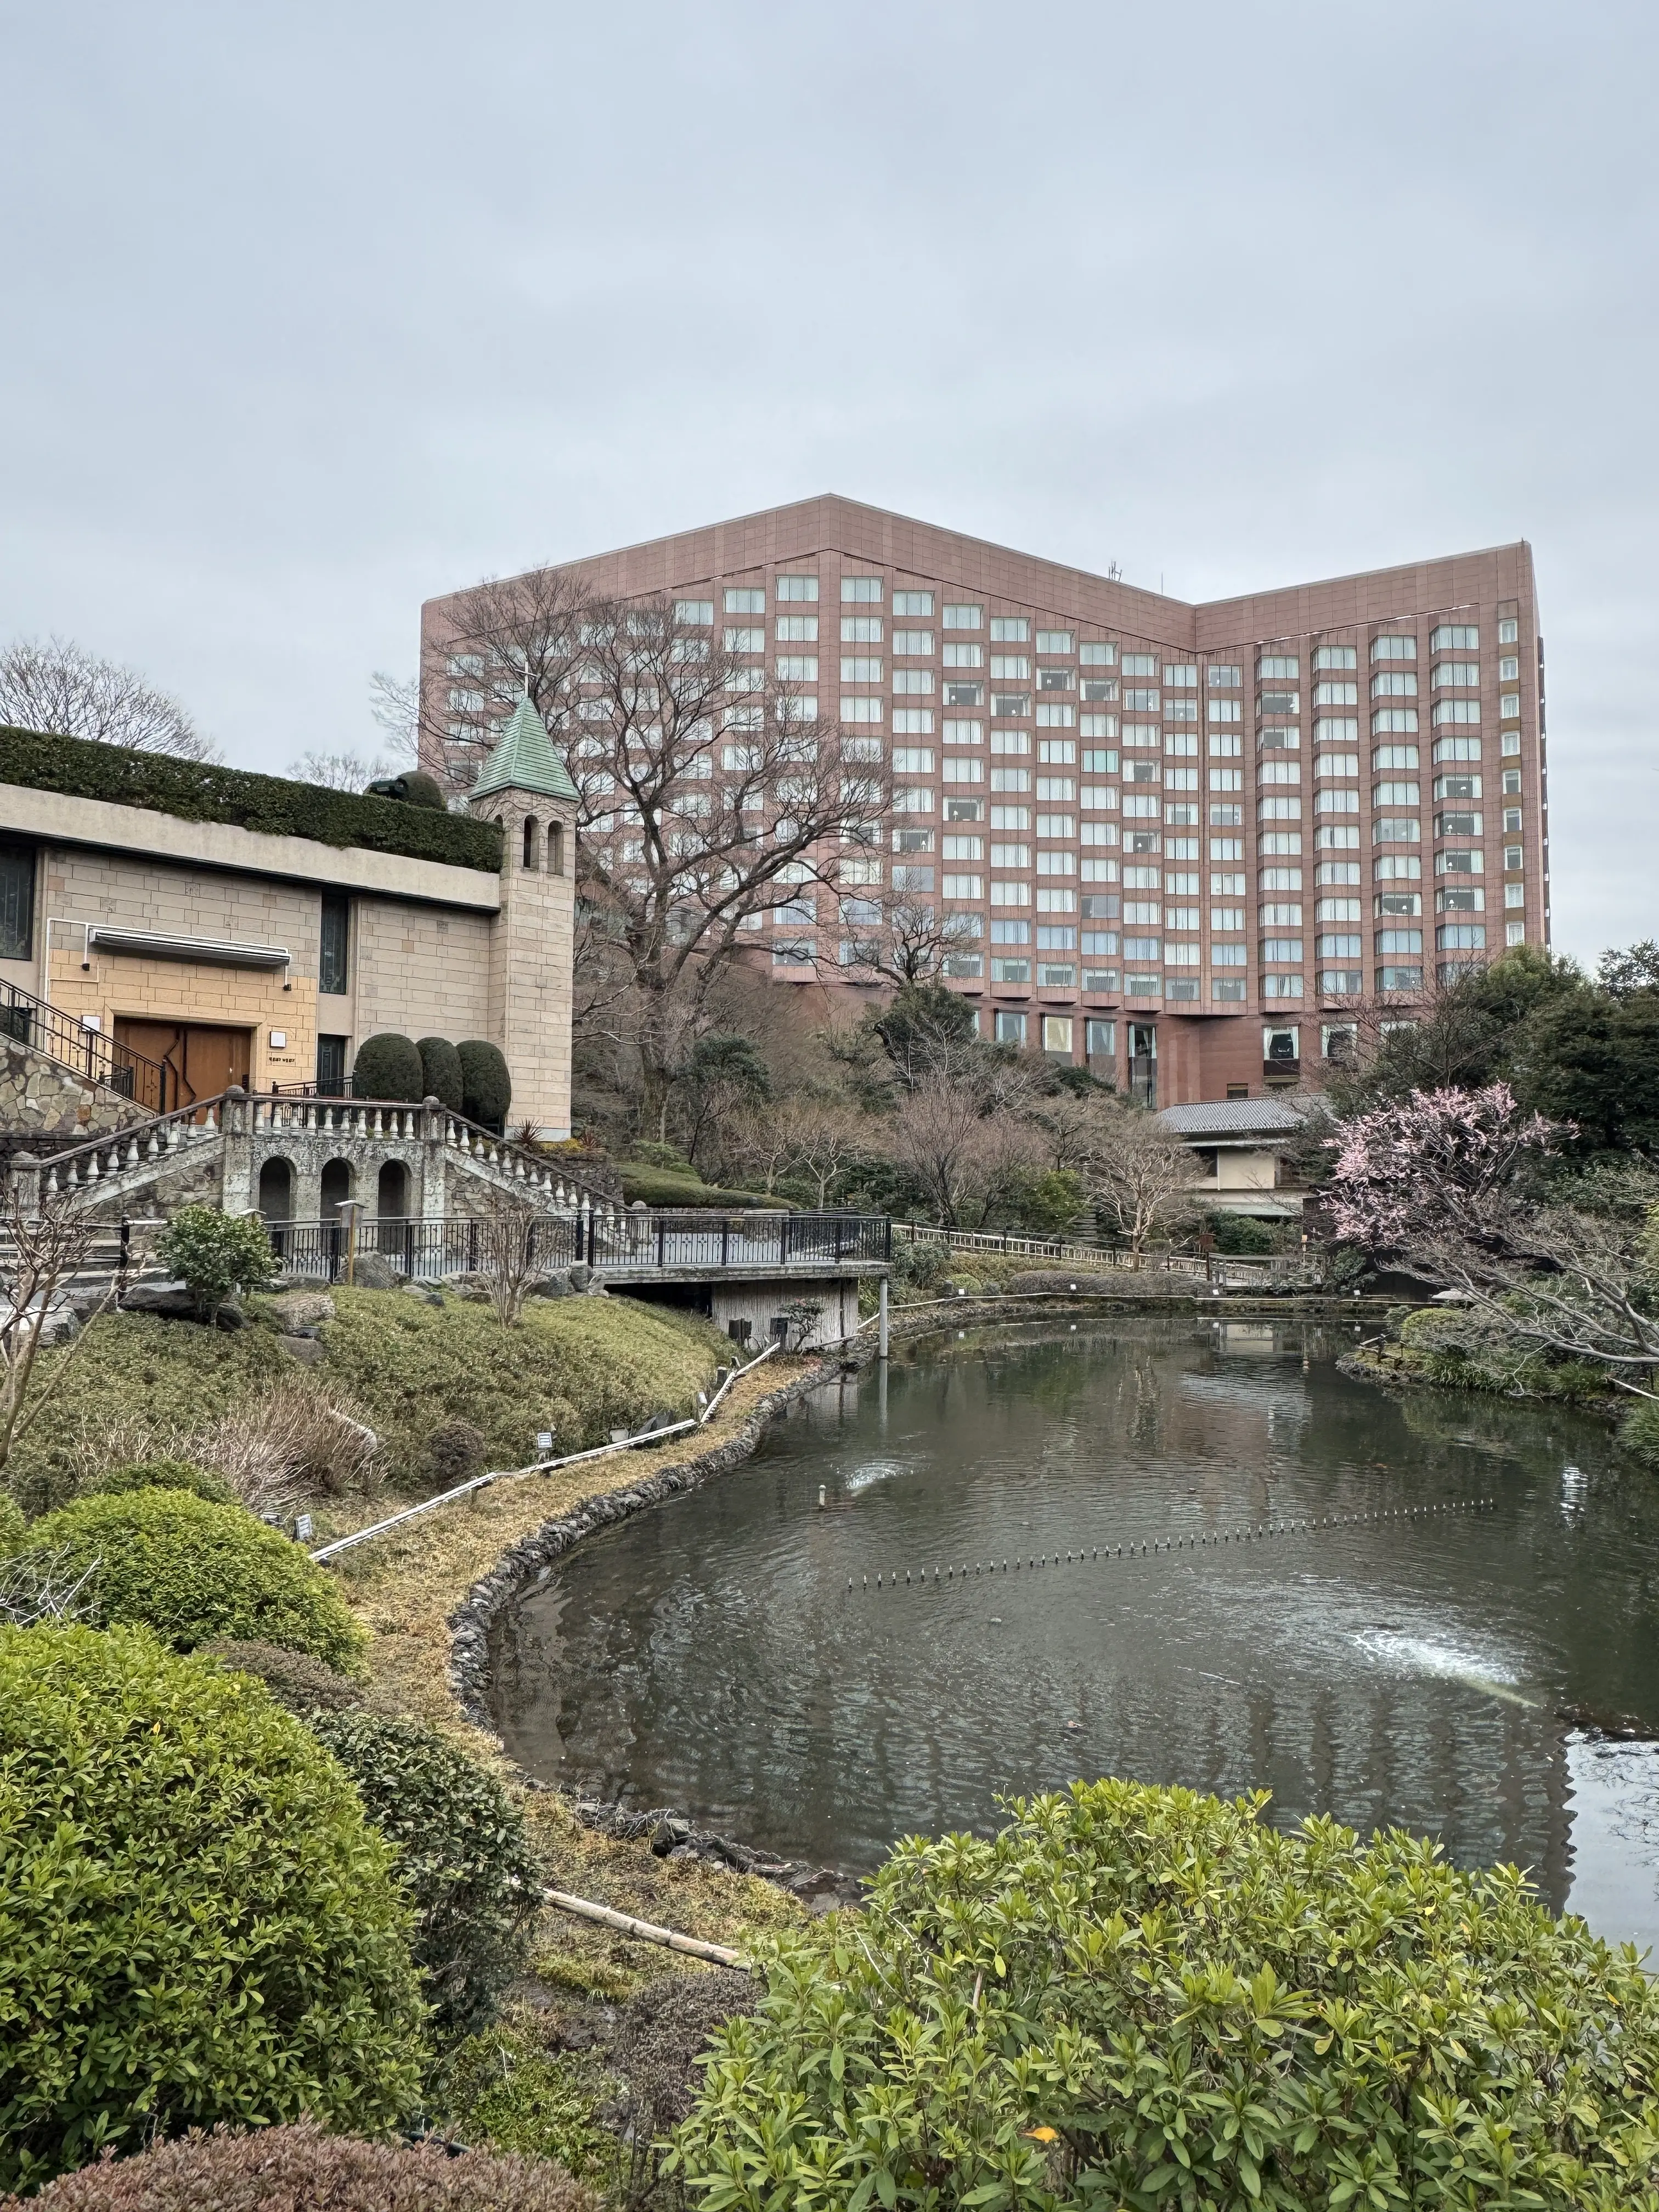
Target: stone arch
532	843
555	849
277	1189
391	1192
338	1184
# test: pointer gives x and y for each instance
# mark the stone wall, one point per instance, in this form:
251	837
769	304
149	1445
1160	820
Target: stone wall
40	1098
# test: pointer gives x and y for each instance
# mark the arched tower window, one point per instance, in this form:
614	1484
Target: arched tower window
531	841
555	849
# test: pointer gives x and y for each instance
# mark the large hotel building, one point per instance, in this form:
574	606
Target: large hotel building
1179	843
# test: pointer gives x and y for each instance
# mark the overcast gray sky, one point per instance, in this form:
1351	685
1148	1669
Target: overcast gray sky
309	312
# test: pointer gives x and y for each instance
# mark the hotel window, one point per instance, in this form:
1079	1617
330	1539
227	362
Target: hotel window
860	629
746	641
1454	637
698	612
862	671
17	902
913	603
795	587
1011	1028
917	682
1054	640
1275	667
1335	656
1224	676
797	629
333	949
1509	631
1010	629
1011	666
1099	654
962	656
1140	663
861	590
1455	675
960	618
913	641
1392	648
744	602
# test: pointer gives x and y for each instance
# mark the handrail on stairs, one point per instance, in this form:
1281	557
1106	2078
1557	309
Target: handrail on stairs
87	1053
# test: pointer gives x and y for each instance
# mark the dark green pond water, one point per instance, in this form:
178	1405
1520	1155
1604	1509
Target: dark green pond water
1429	1660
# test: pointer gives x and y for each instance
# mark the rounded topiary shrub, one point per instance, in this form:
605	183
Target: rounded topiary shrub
188	1570
274	2169
1135	1995
198	1923
441	1073
486	1086
388	1066
165	1474
299	1684
461	1856
456	1452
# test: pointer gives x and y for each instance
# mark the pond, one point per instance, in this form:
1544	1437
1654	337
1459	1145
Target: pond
1441	1658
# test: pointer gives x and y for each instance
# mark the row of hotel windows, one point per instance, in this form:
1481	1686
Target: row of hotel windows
1113	982
868	591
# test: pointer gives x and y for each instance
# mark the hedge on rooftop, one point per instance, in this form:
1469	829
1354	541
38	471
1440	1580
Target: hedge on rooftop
196	790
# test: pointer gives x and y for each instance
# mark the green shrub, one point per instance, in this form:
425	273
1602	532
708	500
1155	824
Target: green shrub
486	1086
165	1474
456	1453
216	1253
414	787
920	1267
1241	1236
506	2088
441	1073
197	1925
388	1066
661	1187
300	2165
461	1856
300	1685
670	1157
188	1570
195	790
12	1527
1141	1997
1639	1432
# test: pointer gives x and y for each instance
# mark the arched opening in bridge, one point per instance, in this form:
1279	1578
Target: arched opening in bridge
337	1187
276	1190
391	1192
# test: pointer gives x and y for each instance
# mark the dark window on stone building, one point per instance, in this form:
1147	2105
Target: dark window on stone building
331	1067
16	901
332	957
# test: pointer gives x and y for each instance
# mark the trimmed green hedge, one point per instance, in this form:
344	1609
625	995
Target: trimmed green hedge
661	1187
194	790
187	1571
198	1923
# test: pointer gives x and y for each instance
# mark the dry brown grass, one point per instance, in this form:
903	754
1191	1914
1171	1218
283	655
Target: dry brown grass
402	1588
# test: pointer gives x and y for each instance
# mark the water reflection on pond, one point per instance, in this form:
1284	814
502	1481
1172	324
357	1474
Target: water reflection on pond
1421	1668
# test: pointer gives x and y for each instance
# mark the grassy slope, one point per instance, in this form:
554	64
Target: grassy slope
580	1366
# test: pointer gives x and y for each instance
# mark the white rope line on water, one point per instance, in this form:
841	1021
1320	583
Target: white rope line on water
969	1570
541	1466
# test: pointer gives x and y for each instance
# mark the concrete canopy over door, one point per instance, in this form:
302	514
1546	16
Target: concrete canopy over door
205	1059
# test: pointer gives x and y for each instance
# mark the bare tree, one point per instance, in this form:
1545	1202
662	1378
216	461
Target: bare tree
969	1157
41	1585
894	937
714	794
59	686
507	1261
345	771
508	635
1138	1174
42	1254
801	1135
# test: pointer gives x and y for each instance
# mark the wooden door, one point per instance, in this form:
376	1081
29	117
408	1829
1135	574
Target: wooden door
204	1059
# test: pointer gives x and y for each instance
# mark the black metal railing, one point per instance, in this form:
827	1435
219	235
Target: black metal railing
628	1243
30	1021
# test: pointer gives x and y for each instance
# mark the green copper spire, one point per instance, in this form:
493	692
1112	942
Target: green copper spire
524	760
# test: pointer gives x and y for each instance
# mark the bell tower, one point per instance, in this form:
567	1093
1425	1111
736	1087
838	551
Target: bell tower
525	786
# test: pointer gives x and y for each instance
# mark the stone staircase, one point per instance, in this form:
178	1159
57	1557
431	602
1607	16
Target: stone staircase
211	1153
